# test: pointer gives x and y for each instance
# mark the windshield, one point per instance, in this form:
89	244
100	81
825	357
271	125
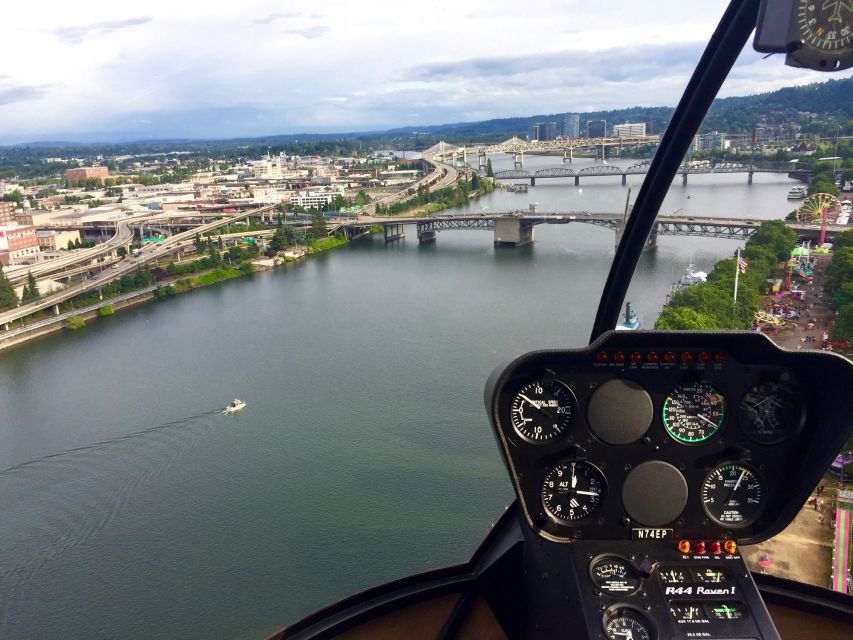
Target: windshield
239	382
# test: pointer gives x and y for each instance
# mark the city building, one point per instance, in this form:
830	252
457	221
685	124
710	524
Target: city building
629	130
596	128
571	125
709	142
51	240
315	199
537	131
271	195
7	212
87	173
551	131
17	243
41	217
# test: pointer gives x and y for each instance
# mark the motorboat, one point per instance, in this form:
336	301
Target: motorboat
645	463
797	193
234	406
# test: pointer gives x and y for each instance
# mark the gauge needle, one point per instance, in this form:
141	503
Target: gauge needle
737	484
529	401
586	493
699	415
574	478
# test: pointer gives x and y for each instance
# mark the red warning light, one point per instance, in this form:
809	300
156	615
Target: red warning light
602	356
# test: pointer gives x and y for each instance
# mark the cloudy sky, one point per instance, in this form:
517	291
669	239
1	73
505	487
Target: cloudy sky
105	70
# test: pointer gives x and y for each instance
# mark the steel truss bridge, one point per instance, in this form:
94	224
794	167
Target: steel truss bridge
427	227
516	145
638	169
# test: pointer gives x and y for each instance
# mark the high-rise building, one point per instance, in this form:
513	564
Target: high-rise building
629	130
596	128
551	131
537	131
571	125
7	212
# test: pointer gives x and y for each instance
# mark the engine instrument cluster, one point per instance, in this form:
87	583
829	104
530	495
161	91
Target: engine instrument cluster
666	435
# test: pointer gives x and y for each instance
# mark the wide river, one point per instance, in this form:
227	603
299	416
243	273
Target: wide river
131	508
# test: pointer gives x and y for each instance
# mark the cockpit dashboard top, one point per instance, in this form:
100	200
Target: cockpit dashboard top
668	435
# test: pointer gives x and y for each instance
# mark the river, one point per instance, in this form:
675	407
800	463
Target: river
132	508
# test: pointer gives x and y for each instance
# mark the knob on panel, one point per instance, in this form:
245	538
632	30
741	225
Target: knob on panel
619	412
654	493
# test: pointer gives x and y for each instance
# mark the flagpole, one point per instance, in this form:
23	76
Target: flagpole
737	271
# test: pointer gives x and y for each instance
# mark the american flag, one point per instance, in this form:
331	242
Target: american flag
741	264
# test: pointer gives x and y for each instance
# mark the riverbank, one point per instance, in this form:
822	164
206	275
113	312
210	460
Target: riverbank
167	289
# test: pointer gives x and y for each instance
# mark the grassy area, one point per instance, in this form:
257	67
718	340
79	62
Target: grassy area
324	244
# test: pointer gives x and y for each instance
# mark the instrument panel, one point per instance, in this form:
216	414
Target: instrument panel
667	435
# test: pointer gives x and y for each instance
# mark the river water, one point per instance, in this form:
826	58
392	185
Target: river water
132	508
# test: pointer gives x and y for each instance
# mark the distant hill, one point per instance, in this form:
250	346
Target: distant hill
742	114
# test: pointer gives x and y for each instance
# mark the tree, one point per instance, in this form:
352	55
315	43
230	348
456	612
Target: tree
362	198
776	236
31	290
15	196
489	171
337	203
121	252
318	224
199	243
8	297
843	327
843	240
277	242
70	245
685	319
839	271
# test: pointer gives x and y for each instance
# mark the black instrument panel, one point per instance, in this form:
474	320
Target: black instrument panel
668	434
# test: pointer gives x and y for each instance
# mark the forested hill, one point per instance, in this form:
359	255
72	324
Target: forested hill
810	106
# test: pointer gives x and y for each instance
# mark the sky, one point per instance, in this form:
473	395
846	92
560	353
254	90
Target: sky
101	70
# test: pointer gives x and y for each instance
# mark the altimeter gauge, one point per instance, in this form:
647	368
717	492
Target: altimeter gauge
542	410
572	491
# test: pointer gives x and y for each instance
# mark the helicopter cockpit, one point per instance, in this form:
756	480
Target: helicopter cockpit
643	462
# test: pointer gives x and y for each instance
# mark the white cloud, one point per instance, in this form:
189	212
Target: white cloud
254	68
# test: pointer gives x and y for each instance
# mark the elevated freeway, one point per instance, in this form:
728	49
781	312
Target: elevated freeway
147	254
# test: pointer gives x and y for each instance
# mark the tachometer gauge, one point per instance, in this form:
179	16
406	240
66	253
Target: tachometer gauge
573	491
770	413
627	623
733	495
693	412
543	410
614	576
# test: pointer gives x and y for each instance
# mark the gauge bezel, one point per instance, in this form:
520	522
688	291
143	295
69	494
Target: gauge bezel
613	612
792	433
567	422
758	512
587	518
611	557
717	431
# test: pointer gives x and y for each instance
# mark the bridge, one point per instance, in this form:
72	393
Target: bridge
641	168
515	229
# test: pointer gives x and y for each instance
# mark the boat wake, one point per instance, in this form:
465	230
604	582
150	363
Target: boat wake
57	502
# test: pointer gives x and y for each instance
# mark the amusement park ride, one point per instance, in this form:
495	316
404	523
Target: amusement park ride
642	462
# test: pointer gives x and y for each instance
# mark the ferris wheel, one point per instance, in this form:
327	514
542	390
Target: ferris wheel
819	207
816	207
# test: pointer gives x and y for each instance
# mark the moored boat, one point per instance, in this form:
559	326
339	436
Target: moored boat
797	193
631	321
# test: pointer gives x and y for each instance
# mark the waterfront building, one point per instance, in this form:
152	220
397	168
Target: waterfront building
537	131
87	173
53	240
629	130
710	141
571	125
596	128
18	244
315	199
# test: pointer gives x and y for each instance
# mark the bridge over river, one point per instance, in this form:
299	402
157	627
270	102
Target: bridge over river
515	229
604	170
